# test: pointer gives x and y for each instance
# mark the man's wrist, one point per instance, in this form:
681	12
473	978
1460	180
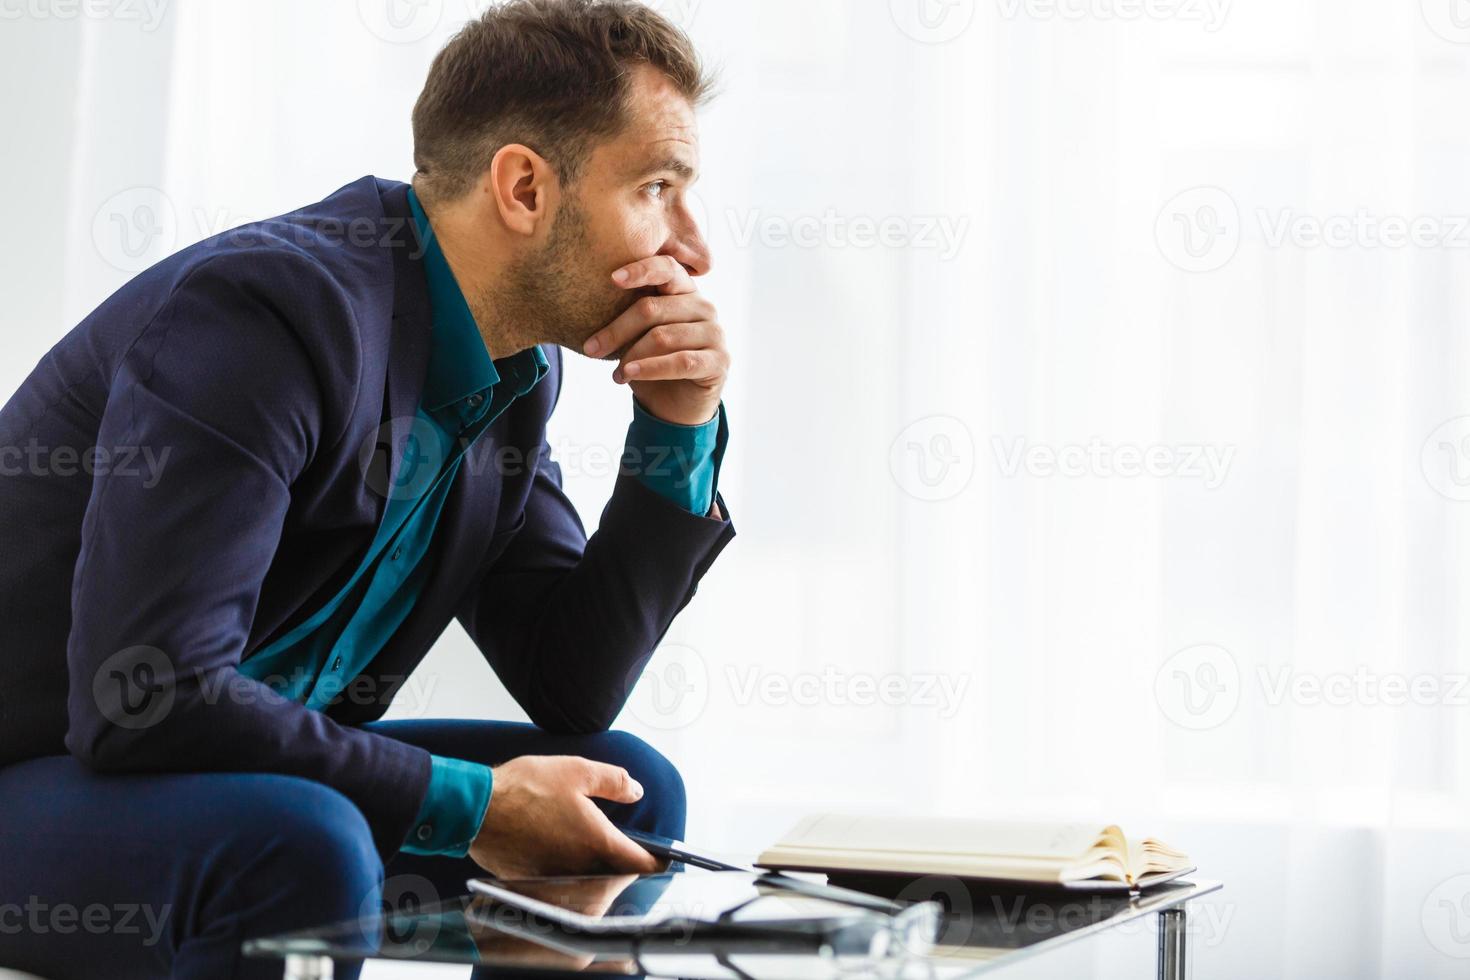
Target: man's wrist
454	808
638	406
678	462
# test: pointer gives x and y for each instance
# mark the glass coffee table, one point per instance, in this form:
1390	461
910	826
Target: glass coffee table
983	930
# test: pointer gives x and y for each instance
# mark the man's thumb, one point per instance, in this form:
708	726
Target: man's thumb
612	783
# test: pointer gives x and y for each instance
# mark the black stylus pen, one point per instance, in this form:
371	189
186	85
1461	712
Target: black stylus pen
666	848
663	847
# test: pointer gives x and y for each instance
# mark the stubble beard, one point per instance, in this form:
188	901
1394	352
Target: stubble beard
558	295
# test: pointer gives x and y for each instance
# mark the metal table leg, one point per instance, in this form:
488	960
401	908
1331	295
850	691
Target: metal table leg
1173	948
308	968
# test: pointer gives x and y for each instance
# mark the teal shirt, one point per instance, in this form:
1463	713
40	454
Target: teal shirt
464	392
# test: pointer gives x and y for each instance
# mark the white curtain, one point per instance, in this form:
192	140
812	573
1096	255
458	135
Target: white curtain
1099	410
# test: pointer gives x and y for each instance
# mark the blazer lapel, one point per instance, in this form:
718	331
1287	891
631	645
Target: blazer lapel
408	354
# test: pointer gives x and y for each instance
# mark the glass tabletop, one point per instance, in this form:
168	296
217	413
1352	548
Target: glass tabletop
983	927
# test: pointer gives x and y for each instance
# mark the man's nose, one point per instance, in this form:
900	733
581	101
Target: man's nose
689	249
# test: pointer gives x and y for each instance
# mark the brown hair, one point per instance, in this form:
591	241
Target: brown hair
552	74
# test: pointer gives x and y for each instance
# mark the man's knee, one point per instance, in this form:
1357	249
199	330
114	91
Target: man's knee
314	850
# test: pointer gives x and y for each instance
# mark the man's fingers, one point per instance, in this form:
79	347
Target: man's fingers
623	854
669	337
662	271
647	312
611	783
692	365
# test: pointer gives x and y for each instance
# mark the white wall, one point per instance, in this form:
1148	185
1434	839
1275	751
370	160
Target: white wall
1047	177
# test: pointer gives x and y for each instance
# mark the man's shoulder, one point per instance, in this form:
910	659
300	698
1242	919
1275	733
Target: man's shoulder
323	280
349	237
329	270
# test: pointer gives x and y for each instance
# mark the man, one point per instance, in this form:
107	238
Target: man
244	496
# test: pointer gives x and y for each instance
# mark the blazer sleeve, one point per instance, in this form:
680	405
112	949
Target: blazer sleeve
222	389
568	623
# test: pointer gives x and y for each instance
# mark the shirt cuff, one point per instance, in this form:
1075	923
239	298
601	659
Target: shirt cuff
679	462
453	808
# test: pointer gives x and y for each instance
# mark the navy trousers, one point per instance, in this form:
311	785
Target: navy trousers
149	876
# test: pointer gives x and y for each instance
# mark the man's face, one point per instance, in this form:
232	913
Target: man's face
630	202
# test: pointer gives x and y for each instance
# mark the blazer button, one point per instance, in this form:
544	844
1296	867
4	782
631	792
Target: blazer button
397	552
474	400
425	832
337	664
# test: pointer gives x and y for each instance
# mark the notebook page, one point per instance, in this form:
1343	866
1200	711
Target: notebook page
929	835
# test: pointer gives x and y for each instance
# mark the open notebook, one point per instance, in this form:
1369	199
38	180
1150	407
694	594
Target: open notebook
1071	855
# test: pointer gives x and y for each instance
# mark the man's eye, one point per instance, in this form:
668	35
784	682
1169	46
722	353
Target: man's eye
656	189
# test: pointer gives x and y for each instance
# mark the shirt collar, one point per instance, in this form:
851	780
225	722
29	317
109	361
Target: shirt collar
459	364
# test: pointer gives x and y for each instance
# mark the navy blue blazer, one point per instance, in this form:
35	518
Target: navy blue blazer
199	464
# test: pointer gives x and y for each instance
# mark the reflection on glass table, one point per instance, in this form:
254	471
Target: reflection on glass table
982	929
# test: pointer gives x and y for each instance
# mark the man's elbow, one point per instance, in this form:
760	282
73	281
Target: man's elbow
102	748
110	735
572	714
561	708
557	721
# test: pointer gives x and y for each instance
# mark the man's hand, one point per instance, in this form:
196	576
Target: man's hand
670	348
541	820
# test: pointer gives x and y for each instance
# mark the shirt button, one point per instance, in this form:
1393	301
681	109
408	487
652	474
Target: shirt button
425	832
397	553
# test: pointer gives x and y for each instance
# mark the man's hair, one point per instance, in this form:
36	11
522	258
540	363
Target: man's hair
554	75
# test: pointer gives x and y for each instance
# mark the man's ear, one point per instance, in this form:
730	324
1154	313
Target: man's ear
522	186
